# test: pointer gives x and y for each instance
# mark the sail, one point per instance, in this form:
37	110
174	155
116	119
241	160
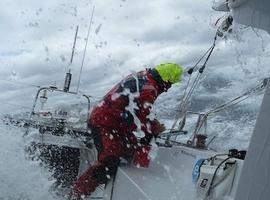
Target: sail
254	181
254	13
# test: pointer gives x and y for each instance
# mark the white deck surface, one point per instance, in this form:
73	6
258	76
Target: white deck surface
169	177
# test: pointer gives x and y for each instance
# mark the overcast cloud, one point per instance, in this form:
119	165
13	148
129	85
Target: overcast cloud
36	40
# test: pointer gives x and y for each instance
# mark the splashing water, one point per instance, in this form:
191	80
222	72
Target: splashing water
20	179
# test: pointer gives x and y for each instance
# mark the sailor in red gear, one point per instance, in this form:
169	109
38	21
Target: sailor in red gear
124	110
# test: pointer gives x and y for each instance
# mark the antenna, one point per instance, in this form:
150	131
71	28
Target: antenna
68	74
86	43
67	81
74	44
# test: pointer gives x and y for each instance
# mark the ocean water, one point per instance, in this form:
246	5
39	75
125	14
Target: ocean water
238	63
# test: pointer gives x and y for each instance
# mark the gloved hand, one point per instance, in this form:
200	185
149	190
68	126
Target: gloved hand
141	156
157	127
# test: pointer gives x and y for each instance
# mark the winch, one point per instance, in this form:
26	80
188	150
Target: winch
215	176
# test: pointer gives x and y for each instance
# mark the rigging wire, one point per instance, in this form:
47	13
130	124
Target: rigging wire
190	71
85	47
201	70
196	81
188	93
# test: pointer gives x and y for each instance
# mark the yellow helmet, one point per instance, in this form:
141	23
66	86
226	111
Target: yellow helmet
170	72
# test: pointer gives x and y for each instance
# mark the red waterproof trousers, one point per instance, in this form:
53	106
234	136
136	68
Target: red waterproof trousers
111	149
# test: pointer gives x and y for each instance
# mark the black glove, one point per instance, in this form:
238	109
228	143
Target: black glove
146	140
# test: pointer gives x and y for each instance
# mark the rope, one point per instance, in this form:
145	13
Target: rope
213	178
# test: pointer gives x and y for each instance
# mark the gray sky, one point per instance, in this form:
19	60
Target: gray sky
36	40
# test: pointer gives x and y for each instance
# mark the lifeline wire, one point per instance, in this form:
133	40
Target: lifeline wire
232	102
238	99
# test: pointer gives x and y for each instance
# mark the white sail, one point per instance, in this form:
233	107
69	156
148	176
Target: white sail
255	177
254	13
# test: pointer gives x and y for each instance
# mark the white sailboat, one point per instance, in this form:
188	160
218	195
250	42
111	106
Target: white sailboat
188	172
169	176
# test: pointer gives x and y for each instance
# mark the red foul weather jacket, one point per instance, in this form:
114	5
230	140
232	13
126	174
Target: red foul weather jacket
126	107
